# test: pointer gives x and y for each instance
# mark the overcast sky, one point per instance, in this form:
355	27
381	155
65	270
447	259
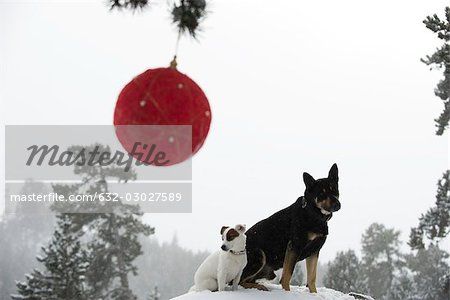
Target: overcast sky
293	85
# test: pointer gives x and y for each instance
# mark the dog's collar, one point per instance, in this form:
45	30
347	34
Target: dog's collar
304	202
327	217
241	252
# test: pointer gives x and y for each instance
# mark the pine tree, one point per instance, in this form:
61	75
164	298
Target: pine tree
65	265
380	258
441	60
403	286
431	273
343	273
21	235
435	224
425	276
114	249
112	238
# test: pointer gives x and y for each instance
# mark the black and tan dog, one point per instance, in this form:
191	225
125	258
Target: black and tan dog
295	233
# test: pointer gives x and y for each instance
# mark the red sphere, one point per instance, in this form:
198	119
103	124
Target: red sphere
164	96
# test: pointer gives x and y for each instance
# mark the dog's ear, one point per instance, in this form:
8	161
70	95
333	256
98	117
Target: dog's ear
223	229
308	180
232	234
333	174
240	228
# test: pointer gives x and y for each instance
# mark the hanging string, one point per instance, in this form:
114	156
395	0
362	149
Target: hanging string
177	44
173	63
186	15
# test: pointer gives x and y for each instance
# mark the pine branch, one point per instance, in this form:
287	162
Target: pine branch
131	4
442	28
188	14
441	60
435	223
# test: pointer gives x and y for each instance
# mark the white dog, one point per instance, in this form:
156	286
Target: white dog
223	266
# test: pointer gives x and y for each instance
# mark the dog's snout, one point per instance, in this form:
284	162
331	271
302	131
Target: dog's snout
224	248
336	206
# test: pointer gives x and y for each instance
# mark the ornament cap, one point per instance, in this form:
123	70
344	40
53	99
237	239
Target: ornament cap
173	63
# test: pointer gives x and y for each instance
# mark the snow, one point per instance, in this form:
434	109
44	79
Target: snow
276	292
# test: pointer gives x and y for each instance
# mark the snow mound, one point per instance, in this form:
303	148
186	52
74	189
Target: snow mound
276	292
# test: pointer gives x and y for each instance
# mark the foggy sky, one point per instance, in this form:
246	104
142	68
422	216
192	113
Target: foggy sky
294	86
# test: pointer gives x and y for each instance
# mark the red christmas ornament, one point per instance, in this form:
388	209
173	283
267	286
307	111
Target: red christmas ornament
163	96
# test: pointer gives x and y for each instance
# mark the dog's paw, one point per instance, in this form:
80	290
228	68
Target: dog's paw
262	288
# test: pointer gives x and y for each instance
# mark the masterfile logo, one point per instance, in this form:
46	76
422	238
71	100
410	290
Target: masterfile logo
88	171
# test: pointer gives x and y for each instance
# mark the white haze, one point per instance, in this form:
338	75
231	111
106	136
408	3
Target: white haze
294	86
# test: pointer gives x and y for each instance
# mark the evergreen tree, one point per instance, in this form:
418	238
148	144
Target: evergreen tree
441	60
431	273
380	257
111	238
435	224
343	273
426	276
22	235
403	286
65	265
